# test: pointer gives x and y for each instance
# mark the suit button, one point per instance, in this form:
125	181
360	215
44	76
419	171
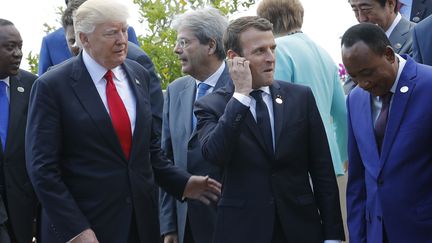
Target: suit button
238	117
128	200
380	182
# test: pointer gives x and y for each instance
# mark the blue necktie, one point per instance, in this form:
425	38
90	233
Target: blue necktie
201	91
4	113
263	119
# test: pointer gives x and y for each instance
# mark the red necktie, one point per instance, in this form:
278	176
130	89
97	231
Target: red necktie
119	115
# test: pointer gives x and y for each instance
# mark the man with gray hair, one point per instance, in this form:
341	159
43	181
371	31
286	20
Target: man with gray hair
199	47
92	151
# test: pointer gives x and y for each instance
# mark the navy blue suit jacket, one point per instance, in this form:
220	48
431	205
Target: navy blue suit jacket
422	39
76	164
420	9
392	189
54	49
20	199
260	187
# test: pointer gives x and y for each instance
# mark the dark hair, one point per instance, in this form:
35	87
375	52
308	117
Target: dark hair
383	3
67	17
5	22
285	15
231	38
370	34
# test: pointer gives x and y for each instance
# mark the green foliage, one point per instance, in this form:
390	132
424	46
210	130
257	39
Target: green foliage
33	61
159	39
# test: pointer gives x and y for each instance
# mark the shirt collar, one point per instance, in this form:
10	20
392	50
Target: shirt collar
402	63
212	80
393	25
6	80
97	71
265	89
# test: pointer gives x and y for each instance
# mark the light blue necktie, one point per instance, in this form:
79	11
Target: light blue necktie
201	91
4	113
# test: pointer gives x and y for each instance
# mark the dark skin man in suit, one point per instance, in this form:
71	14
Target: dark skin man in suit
15	186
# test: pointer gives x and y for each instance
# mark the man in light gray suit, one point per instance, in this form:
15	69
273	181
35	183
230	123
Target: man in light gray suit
199	47
385	14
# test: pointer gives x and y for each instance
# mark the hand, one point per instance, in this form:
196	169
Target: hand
87	236
171	238
240	74
202	188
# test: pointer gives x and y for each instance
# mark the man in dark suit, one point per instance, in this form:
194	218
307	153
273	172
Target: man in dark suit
54	48
422	39
415	10
389	144
133	53
268	147
384	13
200	47
92	152
15	187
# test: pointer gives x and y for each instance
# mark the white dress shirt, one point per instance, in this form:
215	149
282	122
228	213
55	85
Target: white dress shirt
124	90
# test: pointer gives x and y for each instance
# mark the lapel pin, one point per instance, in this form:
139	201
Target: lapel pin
20	89
404	89
398	45
136	81
279	99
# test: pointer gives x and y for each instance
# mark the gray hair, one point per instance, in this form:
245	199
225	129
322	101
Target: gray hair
206	24
94	12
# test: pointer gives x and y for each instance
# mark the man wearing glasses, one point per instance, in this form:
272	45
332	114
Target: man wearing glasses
200	50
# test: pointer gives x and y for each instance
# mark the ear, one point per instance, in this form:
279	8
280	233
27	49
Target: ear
84	39
212	47
231	54
390	54
392	4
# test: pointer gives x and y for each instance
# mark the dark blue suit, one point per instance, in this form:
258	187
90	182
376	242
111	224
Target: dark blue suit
181	144
420	9
78	168
393	187
54	49
422	39
260	188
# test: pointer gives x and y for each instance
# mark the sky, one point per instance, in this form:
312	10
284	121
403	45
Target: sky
324	21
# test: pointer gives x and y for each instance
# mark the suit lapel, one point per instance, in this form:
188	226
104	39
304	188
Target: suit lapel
278	111
17	108
86	92
399	106
186	100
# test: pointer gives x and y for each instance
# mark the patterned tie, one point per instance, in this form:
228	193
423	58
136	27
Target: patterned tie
4	113
381	122
263	119
201	91
119	115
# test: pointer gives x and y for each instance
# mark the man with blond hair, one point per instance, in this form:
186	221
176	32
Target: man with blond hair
93	153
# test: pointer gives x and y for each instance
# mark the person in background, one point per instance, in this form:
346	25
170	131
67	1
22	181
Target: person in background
133	53
15	187
199	46
300	60
389	141
92	152
422	39
268	138
54	48
385	14
415	10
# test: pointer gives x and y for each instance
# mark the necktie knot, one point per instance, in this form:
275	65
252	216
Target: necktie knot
257	95
202	89
385	99
109	76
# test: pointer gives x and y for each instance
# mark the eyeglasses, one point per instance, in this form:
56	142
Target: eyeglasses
183	43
